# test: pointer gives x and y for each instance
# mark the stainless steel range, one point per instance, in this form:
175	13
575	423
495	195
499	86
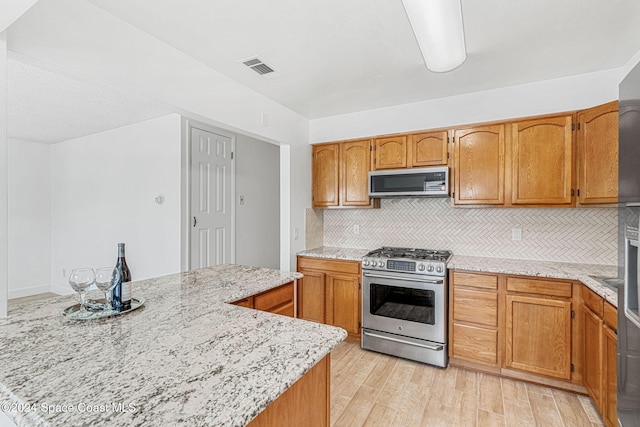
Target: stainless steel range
404	303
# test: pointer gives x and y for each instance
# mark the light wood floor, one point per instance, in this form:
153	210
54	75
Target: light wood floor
372	389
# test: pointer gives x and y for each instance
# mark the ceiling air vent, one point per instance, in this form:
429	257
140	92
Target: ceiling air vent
259	66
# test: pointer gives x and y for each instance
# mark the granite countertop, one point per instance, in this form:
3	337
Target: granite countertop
558	270
555	270
351	254
186	358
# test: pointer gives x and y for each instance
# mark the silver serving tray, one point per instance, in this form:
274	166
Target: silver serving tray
74	312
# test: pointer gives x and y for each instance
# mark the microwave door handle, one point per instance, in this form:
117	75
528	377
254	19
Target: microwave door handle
407	279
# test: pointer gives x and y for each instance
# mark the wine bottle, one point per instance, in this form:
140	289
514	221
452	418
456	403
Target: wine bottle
121	279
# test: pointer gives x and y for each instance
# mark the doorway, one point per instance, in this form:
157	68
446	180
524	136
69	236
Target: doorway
212	235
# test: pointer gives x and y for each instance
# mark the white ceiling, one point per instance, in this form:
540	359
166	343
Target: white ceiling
49	107
338	56
334	56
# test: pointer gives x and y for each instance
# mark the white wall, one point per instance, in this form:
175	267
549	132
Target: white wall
300	196
549	96
258	219
103	190
29	218
3	177
144	65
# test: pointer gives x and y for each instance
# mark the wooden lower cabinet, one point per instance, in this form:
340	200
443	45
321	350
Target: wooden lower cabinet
600	354
593	349
312	304
516	326
343	300
610	378
473	318
278	300
330	292
538	335
306	402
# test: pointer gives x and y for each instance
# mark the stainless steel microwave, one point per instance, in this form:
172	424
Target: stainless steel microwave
426	182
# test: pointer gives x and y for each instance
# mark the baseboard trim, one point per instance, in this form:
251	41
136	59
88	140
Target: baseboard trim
63	290
27	292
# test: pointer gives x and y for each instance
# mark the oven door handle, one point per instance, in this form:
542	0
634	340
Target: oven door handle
430	347
378	276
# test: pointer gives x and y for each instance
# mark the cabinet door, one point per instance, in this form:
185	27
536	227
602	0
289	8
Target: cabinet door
542	161
344	302
324	175
598	154
592	375
610	400
479	165
538	336
312	296
428	149
355	159
390	153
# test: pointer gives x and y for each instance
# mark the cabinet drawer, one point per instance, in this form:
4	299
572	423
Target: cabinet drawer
611	316
475	306
592	300
476	344
285	310
324	264
246	302
539	286
475	280
274	297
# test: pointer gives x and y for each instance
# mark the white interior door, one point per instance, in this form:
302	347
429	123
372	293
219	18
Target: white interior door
211	199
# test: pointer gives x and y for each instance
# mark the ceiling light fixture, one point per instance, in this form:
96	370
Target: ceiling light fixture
437	25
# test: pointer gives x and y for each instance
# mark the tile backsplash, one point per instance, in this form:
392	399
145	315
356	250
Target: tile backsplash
581	235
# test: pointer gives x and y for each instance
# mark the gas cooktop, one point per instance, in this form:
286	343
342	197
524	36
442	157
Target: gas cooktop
410	253
409	260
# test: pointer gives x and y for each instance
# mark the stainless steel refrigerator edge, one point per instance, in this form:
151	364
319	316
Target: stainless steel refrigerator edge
628	362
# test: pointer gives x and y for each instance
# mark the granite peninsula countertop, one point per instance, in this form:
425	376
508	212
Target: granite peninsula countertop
557	270
186	358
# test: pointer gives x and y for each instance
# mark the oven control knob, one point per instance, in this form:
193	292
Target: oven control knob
439	269
421	267
374	264
365	262
381	264
430	267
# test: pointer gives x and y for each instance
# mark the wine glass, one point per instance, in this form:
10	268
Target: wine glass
105	282
80	279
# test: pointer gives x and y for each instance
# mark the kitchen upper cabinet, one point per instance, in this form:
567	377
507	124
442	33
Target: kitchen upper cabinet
340	173
538	326
354	173
390	153
598	154
330	292
428	149
541	161
473	318
479	165
325	173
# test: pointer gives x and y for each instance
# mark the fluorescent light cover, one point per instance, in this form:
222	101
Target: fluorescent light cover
437	25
